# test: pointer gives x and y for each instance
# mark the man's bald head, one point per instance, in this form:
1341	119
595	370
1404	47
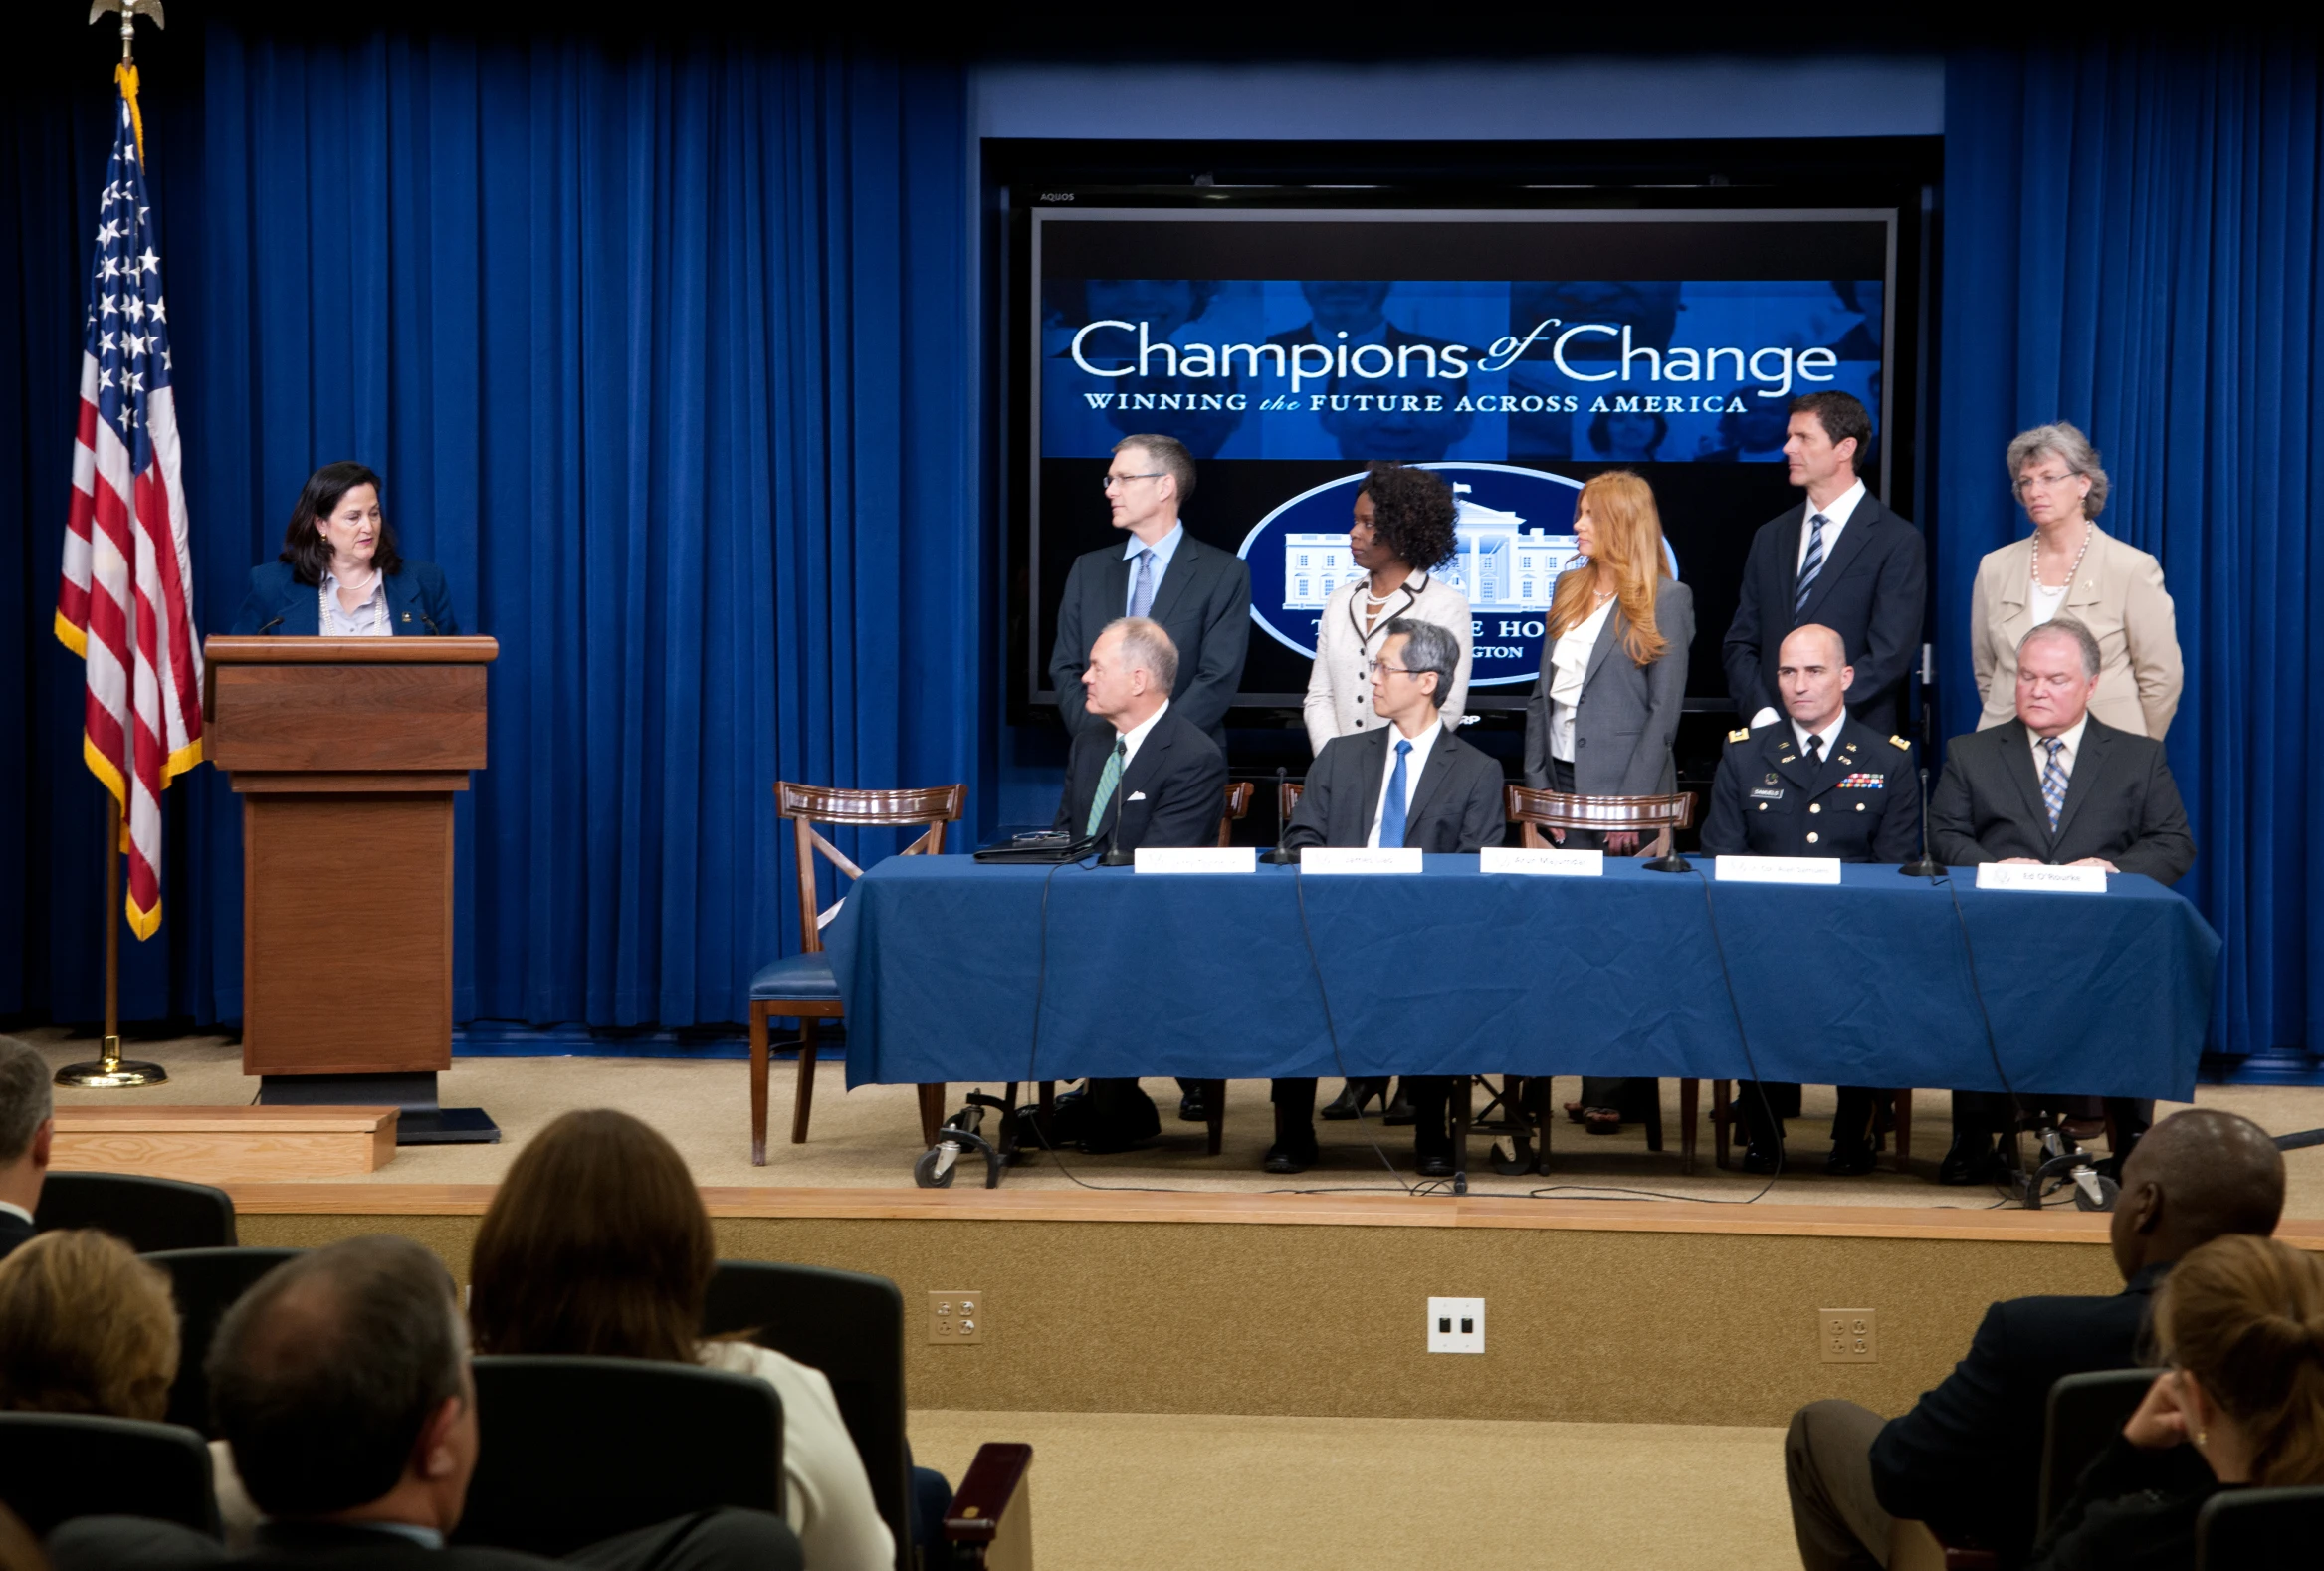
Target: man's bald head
2197	1175
1816	641
1813	675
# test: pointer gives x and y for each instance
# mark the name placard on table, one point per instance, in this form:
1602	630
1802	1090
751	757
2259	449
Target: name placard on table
1540	862
2048	880
1198	859
1360	859
1779	869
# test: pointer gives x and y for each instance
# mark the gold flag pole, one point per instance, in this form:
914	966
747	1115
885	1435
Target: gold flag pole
111	1069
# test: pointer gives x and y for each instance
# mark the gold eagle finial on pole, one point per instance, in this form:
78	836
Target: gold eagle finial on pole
130	10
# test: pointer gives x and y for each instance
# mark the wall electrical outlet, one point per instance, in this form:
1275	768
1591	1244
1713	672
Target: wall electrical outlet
1849	1336
960	1315
1456	1325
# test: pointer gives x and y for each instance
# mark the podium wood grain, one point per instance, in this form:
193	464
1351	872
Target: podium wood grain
345	752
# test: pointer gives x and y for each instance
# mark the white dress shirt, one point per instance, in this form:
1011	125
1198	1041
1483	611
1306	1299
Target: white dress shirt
1414	762
1828	736
1835	519
2072	737
1569	666
368	620
1164	550
2046	602
15	1210
1134	738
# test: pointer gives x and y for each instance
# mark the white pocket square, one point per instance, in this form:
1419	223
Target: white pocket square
1138	796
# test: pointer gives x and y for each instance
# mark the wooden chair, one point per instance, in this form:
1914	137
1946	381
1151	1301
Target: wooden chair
802	987
1537	811
1238	803
1291	793
989	1524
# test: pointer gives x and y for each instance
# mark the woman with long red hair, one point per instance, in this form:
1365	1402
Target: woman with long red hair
1604	713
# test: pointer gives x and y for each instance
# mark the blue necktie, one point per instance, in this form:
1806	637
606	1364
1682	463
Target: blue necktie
1391	812
2053	780
1142	591
1809	565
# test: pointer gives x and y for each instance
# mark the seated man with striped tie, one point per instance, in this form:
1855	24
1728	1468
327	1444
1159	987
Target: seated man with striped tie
1432	793
2058	787
1142	775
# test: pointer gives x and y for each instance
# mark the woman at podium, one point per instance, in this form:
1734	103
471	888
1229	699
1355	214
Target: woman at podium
341	574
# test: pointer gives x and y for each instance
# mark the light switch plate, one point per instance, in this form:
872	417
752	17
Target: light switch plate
1456	1325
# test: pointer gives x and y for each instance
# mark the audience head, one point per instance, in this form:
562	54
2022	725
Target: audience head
1402	514
1151	478
2197	1176
1824	440
2058	671
2244	1318
27	1119
85	1327
1133	667
596	1244
1412	675
2055	471
340	1382
1813	675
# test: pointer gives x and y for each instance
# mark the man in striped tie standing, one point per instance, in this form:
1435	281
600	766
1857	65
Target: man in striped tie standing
1840	559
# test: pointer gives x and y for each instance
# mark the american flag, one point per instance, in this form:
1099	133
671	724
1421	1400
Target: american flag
125	604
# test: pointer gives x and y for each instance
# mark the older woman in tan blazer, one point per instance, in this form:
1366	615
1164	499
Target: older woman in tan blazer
2070	567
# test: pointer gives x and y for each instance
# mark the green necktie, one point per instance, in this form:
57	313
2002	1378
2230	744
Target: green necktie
1106	783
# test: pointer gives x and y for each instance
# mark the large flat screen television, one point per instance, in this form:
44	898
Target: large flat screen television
1517	352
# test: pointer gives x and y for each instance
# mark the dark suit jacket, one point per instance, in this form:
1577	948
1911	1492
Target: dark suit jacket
1172	795
1870	591
14	1229
1204	604
1968	1457
1456	804
1863	805
2121	803
135	1543
417	602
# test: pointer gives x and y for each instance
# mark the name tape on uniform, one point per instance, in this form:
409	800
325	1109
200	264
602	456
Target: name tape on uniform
1540	862
1360	859
2052	881
1198	859
1779	869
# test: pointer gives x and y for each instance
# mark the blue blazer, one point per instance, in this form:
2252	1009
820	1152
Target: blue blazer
417	602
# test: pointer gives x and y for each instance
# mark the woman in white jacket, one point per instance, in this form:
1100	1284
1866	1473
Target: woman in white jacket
1402	529
596	1244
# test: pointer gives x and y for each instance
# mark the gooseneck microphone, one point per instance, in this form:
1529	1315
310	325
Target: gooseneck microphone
1117	855
271	626
1279	857
1927	866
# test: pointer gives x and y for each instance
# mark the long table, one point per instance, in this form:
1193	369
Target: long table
952	971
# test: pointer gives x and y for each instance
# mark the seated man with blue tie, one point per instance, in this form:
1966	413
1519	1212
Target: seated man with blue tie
1440	794
2058	787
1143	775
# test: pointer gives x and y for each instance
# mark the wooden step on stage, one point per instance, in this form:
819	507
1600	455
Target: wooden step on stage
225	1144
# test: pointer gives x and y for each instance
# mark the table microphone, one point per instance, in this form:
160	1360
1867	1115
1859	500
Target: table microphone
1279	857
1926	867
1115	855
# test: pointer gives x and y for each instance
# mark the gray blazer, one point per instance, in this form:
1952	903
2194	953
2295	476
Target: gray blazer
1627	717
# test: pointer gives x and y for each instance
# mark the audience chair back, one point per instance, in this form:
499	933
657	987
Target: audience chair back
147	1213
205	1283
54	1466
2259	1530
578	1450
1238	802
802	987
989	1524
2085	1411
851	1327
1537	811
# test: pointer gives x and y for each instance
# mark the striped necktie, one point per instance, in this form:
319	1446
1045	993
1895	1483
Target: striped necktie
1106	783
1142	591
1809	565
2053	780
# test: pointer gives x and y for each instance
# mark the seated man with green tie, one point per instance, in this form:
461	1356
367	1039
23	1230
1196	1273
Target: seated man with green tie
1142	775
1437	794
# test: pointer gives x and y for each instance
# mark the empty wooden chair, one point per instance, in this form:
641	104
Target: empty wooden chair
1238	803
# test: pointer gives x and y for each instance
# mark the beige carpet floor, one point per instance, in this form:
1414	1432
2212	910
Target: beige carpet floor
870	1137
1127	1493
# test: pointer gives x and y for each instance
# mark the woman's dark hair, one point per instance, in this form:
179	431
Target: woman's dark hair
1601	436
596	1244
303	546
1412	513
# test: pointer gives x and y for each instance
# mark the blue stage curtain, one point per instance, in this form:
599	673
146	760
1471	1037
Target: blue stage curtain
2132	243
663	353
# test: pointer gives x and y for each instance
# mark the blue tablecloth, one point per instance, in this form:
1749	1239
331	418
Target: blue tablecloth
941	960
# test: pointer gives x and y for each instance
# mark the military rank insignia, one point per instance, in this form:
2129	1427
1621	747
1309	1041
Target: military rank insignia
1862	780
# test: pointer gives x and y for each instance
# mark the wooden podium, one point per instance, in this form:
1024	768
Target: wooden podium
345	752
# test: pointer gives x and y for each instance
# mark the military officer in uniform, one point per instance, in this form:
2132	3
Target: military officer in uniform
1819	782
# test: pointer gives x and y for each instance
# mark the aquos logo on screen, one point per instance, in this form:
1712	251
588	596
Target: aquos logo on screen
1516	533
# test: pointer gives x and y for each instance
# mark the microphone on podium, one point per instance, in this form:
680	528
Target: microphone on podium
1279	857
1927	866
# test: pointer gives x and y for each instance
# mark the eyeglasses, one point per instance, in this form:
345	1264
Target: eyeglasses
2041	483
1382	668
1111	481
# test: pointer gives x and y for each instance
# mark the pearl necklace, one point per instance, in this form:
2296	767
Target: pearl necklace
2088	530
